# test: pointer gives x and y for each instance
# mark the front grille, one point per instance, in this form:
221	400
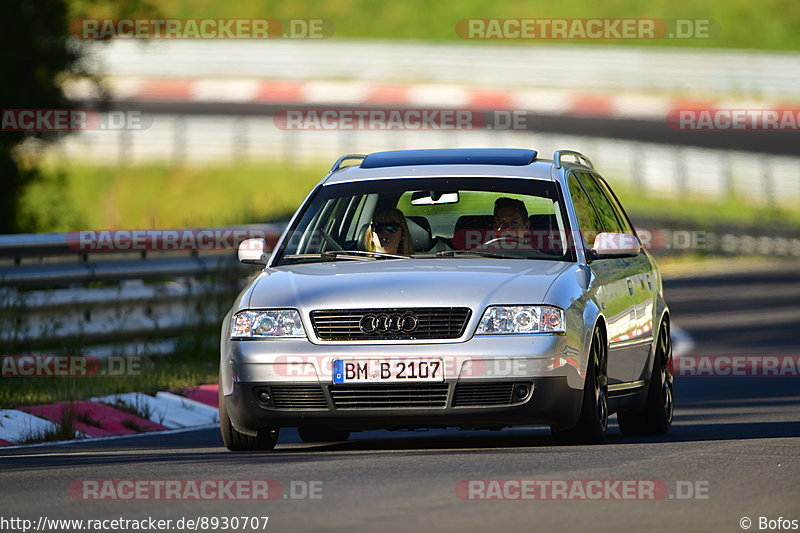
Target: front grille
478	394
298	397
389	396
433	323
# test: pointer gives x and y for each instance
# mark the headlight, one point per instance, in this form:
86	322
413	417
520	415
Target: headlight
504	319
267	324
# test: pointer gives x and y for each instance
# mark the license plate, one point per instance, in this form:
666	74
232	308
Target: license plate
387	370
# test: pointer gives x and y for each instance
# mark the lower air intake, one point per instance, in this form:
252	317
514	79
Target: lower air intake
298	397
389	396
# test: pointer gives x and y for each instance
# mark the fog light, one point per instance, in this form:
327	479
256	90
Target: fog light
264	397
520	391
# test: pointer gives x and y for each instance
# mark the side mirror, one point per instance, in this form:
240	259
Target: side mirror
615	245
253	251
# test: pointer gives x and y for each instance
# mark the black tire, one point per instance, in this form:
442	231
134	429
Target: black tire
592	423
655	416
312	435
239	442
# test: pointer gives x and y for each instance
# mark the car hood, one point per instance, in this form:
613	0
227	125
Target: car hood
452	282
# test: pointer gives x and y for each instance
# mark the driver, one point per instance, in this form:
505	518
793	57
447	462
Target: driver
510	217
388	233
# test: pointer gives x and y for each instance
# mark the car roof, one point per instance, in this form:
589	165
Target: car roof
450	156
458	162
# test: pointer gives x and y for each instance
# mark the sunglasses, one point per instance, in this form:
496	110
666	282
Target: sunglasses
391	227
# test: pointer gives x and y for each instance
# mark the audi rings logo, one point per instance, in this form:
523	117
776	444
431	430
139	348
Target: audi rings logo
389	323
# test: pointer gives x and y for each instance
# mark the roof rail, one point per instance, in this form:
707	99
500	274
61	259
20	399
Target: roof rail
336	166
582	159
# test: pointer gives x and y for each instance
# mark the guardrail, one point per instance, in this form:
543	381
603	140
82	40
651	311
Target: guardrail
739	73
658	169
59	292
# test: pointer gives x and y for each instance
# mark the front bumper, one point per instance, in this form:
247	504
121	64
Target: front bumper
544	363
551	402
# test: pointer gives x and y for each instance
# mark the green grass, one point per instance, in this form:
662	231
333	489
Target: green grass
194	361
179	371
700	211
769	24
85	197
88	197
64	430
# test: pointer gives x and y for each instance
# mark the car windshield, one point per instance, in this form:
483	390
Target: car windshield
514	218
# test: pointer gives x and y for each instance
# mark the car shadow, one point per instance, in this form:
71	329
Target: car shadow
209	449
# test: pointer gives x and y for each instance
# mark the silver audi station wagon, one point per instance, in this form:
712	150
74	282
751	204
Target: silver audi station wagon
469	288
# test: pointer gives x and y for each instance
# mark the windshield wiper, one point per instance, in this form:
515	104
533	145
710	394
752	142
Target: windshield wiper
453	253
352	254
349	255
326	256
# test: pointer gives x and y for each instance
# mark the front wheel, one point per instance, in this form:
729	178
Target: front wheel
655	417
239	442
593	421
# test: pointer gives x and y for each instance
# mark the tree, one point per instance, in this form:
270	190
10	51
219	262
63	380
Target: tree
38	53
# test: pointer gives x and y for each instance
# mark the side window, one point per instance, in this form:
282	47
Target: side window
354	223
620	212
588	221
608	217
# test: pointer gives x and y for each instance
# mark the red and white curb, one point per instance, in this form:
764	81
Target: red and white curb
164	408
94	419
366	94
114	416
16	426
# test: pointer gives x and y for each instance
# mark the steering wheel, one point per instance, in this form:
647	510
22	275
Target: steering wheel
506	237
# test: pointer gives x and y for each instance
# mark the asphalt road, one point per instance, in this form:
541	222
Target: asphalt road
735	442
